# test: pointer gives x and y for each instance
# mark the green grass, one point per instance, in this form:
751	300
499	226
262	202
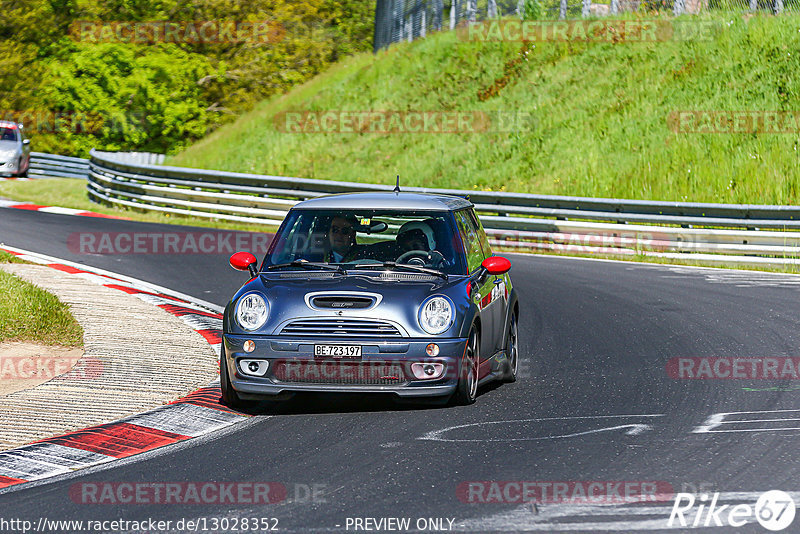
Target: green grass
600	117
29	313
71	193
5	257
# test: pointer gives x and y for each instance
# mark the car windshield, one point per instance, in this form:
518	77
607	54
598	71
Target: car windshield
361	237
8	134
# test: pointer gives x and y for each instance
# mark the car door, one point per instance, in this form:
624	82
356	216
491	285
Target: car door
498	302
482	295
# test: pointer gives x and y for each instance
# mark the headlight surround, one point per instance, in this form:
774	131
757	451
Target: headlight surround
252	311
436	314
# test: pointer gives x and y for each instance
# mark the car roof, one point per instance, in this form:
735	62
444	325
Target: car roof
386	201
8	124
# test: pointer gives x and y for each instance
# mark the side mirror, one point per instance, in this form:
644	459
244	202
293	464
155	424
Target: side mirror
496	265
244	261
26	141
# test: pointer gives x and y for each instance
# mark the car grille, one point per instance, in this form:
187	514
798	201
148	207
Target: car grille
333	372
340	327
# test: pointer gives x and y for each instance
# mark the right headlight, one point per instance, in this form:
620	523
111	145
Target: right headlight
436	314
251	311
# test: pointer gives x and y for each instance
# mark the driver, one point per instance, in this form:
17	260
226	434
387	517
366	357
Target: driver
342	240
416	235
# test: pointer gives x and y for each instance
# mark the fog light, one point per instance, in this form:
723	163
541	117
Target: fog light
254	367
249	346
427	370
432	349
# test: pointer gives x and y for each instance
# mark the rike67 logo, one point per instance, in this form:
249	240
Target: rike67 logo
774	511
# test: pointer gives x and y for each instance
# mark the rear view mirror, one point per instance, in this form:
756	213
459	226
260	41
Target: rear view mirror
496	265
244	261
375	227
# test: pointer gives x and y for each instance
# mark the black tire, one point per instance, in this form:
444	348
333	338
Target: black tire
512	350
22	174
467	388
229	396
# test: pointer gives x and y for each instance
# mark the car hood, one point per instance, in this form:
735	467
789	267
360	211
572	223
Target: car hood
400	295
8	146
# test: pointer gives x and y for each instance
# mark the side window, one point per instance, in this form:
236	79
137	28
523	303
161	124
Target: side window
469	234
487	249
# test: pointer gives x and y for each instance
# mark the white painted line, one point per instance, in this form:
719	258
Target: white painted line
733	422
185	419
201	322
629	263
635	428
8	203
136	283
713	421
55	454
27	468
60	210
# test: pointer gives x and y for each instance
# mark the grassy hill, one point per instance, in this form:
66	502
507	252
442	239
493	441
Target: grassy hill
600	117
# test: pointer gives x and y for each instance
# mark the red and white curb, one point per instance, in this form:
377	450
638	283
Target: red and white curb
194	415
53	209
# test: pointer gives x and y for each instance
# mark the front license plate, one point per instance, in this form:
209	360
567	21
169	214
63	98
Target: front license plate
338	351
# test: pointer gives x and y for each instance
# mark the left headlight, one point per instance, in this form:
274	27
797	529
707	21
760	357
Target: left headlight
252	311
436	314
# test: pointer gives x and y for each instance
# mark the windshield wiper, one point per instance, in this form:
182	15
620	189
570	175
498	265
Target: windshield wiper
391	265
305	264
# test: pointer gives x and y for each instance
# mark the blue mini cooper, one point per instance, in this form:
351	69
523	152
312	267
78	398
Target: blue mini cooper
372	293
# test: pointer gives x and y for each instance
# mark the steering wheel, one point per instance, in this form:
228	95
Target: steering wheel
434	257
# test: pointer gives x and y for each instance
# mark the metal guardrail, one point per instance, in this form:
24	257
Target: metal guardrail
724	232
61	166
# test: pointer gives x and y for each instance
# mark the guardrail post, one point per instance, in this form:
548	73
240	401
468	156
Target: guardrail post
491	10
587	8
753	5
679	7
562	10
614	9
778	7
453	14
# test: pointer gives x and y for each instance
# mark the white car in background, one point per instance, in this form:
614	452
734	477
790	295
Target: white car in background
15	150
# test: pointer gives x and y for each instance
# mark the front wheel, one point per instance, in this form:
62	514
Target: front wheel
467	388
20	172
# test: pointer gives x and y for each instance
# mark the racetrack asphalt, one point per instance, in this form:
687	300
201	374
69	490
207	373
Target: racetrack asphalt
594	403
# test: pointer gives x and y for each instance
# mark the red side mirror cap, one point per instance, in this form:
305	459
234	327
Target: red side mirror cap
496	265
244	261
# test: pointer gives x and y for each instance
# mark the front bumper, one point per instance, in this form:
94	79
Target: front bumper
290	360
9	165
